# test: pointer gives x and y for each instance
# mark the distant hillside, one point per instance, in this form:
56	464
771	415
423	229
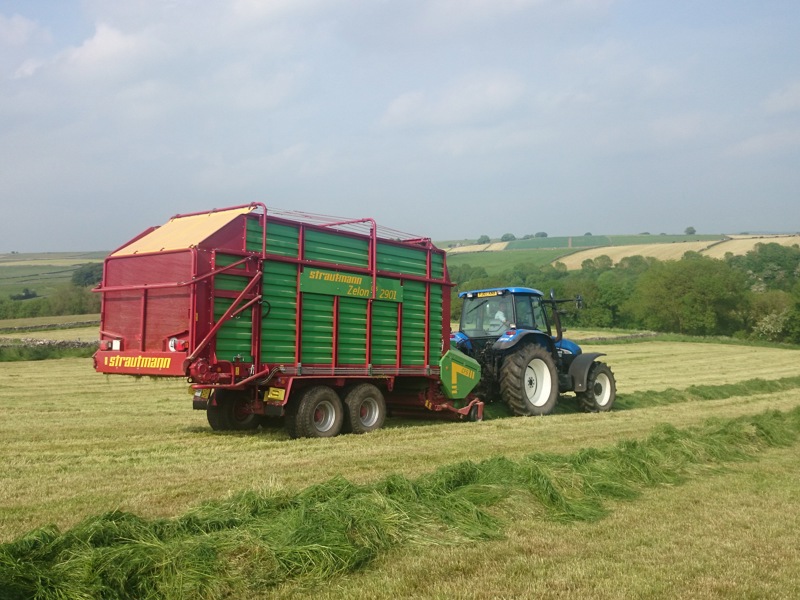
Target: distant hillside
572	251
675	250
42	272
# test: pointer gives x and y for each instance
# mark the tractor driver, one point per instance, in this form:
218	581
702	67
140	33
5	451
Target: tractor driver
502	315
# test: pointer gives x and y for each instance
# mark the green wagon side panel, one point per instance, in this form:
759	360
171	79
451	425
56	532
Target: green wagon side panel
414	326
253	231
402	260
338	249
437	265
352	332
279	313
235	337
283	240
317	329
384	333
230	283
435	324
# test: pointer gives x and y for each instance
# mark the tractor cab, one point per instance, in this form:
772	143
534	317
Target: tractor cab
491	313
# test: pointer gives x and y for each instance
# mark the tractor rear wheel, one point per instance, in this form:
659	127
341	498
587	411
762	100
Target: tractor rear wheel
365	408
318	413
601	389
529	382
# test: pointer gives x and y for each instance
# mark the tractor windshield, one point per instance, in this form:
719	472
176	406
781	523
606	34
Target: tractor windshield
486	317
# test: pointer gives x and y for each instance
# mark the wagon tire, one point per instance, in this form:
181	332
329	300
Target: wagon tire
270	422
364	409
601	389
474	415
233	406
215	418
318	414
529	381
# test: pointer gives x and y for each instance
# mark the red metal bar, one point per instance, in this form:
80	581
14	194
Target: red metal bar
158	286
354	269
335	339
216	210
224	317
143	320
298	330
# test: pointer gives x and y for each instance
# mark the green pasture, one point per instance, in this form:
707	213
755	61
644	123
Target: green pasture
42	273
578	241
633	240
496	262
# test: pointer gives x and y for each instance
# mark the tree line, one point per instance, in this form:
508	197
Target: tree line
753	296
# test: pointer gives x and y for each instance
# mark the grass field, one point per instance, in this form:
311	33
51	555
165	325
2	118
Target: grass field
43	272
496	262
75	444
542	251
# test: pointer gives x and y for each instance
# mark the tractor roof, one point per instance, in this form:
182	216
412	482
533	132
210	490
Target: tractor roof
502	291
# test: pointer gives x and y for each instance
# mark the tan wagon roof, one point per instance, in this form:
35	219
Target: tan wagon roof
182	232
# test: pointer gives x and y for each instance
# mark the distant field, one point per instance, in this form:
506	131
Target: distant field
496	262
710	246
42	273
89	333
59	259
673	251
47	323
742	245
581	241
629	240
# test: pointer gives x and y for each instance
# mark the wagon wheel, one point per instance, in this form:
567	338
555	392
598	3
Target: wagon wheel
365	408
233	410
318	413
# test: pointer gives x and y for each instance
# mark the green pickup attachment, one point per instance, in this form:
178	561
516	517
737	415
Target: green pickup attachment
459	374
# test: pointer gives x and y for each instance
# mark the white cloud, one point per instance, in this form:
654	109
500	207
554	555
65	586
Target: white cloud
28	68
766	143
784	100
274	9
18	31
446	14
111	53
677	128
468	100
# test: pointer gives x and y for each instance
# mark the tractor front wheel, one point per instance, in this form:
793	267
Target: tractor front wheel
318	413
529	382
601	389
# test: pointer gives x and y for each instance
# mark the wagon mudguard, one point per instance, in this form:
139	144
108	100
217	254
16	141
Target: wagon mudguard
579	369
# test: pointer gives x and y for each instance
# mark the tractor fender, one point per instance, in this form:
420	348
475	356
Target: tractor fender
579	369
511	340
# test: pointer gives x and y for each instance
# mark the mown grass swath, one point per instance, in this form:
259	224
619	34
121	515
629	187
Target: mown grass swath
258	539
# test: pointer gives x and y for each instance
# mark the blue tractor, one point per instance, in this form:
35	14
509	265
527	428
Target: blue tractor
524	362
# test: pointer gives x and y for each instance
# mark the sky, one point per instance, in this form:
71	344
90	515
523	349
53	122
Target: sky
447	119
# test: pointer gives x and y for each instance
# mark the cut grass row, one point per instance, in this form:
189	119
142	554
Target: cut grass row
255	541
